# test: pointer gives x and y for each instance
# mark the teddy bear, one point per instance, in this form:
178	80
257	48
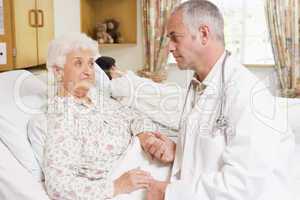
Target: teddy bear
101	34
112	30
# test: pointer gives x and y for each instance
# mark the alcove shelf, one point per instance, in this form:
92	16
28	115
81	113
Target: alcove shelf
124	11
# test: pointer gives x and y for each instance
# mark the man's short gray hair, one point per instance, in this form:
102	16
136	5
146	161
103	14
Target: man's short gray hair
198	12
63	45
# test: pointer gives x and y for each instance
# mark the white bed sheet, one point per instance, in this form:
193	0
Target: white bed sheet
296	172
26	188
136	158
16	183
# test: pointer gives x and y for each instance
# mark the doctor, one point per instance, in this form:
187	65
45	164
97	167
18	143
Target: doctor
226	149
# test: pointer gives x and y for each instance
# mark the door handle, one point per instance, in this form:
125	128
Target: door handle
40	22
32	23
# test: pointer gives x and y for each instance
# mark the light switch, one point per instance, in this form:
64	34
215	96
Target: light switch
3	54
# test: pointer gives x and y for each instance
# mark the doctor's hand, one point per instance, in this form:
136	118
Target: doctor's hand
158	146
156	190
146	138
151	144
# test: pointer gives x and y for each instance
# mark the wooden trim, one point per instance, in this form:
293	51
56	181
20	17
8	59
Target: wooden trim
12	14
8	35
246	65
5	68
119	45
260	65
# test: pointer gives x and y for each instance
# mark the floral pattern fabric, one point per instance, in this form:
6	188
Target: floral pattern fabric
84	143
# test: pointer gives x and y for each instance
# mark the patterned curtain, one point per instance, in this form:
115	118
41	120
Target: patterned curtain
283	21
155	15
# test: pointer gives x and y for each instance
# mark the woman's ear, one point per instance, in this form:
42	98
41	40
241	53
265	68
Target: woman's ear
58	71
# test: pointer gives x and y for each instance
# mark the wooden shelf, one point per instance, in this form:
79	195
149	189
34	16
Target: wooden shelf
97	11
121	45
7	37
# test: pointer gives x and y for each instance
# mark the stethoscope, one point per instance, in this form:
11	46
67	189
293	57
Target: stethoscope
221	121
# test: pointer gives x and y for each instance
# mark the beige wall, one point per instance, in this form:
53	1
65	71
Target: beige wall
67	18
129	57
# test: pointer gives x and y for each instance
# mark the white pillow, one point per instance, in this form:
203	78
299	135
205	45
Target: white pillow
24	96
294	117
15	181
37	130
102	81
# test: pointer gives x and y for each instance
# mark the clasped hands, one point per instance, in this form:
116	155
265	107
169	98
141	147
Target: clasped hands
162	148
158	146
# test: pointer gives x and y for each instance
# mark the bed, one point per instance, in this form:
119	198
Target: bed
23	95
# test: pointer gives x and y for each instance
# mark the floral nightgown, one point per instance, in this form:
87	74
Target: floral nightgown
84	143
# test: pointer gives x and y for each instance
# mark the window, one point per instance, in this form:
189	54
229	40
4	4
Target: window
246	32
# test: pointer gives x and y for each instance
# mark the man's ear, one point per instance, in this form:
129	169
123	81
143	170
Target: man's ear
204	33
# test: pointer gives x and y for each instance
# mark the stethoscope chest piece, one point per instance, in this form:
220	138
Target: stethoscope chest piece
221	122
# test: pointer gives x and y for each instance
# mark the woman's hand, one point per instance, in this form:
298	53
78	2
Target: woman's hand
132	180
116	72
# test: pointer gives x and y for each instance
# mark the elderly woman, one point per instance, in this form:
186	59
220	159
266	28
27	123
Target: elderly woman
87	133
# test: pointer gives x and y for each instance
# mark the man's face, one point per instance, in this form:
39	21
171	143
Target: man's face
182	44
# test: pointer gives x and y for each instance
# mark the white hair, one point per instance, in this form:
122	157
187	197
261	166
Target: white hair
63	45
59	48
198	12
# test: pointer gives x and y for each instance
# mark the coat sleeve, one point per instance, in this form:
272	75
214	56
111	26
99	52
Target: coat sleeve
161	102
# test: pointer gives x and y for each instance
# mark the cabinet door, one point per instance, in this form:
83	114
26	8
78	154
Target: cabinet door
45	28
7	36
25	33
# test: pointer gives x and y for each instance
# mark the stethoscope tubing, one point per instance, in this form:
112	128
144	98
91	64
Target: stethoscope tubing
221	121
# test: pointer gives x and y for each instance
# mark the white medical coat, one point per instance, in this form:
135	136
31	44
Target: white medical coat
254	165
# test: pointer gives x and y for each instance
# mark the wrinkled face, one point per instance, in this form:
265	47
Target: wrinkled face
79	72
184	46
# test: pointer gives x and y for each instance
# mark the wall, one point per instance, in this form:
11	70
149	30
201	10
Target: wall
269	76
66	16
131	57
67	19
